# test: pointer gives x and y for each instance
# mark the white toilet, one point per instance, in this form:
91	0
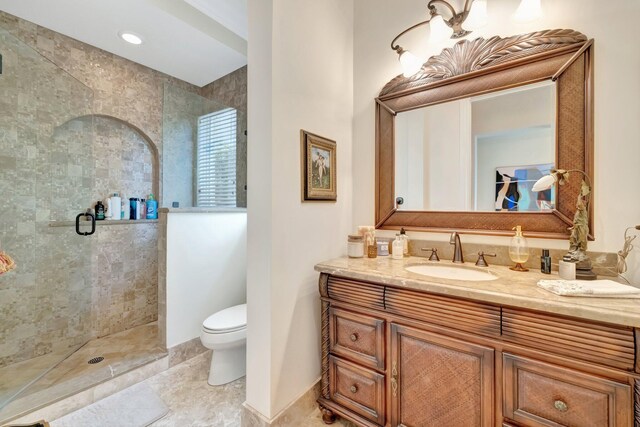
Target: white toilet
225	332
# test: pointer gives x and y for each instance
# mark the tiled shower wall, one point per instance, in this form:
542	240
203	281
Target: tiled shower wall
77	124
231	90
180	123
45	304
181	112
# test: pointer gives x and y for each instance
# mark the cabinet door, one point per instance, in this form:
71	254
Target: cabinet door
439	381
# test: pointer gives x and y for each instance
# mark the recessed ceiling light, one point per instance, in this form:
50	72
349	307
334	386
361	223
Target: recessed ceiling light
130	37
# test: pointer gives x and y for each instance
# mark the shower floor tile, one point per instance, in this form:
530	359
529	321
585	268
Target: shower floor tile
122	352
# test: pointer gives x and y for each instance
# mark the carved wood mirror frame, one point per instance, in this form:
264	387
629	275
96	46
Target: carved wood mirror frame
474	67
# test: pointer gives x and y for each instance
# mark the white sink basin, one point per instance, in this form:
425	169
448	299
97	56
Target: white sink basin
452	272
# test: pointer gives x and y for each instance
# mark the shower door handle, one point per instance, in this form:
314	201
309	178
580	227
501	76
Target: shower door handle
93	224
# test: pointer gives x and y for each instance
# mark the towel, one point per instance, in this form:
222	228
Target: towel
589	288
6	263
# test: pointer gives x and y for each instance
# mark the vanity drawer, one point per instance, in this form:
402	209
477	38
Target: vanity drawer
539	394
357	389
607	345
357	337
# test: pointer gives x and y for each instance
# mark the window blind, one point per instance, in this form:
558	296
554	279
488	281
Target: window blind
216	159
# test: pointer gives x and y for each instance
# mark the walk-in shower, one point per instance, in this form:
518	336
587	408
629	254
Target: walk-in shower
56	159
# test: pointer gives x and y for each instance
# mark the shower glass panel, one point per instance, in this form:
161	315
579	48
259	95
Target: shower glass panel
46	173
180	123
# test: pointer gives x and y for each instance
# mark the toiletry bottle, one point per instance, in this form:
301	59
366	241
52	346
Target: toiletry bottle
99	211
519	250
115	204
143	209
138	208
405	242
126	206
133	207
545	262
108	211
152	207
398	247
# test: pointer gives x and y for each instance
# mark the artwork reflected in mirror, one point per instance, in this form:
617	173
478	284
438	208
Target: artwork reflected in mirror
482	153
514	189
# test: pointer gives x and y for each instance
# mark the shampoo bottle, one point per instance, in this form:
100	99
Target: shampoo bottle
108	210
99	211
143	209
152	207
126	207
133	207
115	206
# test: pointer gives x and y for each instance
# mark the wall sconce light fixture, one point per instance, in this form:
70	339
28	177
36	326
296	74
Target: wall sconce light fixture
580	229
445	22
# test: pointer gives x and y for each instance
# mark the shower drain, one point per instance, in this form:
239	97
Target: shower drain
95	360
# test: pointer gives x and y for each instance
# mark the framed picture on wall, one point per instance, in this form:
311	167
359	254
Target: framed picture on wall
318	167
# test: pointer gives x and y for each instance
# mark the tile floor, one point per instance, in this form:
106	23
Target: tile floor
122	352
194	403
183	388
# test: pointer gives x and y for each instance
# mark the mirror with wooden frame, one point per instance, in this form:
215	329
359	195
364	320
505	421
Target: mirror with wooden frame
442	162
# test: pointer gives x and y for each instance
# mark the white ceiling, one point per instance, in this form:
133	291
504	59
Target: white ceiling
197	41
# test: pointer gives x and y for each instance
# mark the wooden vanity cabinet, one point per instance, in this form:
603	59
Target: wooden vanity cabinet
399	357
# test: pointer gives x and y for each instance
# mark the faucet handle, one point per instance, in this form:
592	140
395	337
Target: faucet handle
481	262
434	253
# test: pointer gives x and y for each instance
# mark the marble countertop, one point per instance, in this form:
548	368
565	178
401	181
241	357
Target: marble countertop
511	288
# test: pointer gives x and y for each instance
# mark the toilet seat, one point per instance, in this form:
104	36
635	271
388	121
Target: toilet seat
231	319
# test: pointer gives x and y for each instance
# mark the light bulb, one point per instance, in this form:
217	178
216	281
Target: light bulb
439	30
477	17
410	63
544	183
529	10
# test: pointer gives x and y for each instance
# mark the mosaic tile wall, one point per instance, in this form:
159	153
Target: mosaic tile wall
230	90
181	110
45	304
180	126
123	162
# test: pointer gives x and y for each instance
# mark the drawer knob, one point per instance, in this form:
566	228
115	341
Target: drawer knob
560	406
354	337
354	389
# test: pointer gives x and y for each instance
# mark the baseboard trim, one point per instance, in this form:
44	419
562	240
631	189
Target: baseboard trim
298	409
185	351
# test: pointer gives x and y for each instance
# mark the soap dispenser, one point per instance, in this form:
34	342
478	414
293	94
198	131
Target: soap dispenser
397	247
519	250
405	242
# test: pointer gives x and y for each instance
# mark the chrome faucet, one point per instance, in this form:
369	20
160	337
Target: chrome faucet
457	250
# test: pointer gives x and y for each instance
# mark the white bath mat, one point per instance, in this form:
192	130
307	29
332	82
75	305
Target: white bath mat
136	406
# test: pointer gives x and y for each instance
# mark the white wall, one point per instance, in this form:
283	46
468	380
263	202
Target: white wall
617	101
206	269
410	159
300	77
